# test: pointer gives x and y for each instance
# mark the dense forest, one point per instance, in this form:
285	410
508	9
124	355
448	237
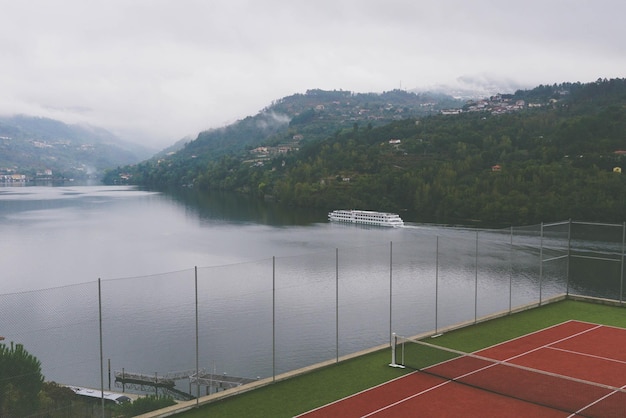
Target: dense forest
550	153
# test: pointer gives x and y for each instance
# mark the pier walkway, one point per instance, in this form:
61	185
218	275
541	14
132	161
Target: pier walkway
213	382
218	381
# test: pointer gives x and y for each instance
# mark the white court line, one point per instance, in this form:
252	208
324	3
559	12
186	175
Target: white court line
587	355
481	369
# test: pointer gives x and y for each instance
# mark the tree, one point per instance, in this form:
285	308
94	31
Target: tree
58	401
143	405
20	381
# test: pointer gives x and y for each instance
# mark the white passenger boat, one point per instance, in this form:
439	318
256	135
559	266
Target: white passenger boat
366	217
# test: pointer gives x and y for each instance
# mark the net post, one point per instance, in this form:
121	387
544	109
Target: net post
394	343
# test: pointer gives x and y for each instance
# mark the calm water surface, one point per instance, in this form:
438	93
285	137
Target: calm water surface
55	236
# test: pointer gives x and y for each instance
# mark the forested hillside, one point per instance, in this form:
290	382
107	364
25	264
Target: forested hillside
551	153
290	121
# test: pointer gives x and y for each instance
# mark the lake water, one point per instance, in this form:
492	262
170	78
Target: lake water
277	288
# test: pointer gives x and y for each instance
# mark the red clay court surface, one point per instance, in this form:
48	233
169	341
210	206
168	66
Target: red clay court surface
583	351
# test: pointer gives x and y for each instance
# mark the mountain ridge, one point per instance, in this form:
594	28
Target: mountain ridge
319	113
548	153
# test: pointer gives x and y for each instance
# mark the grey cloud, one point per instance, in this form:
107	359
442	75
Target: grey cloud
158	70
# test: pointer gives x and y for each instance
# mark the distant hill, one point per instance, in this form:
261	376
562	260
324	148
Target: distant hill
42	148
287	123
313	116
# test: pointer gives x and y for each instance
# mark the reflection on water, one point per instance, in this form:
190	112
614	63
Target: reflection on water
231	207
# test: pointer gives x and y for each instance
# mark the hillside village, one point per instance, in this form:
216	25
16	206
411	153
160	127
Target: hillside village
10	176
37	149
265	153
498	104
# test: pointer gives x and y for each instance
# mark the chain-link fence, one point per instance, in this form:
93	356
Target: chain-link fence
190	332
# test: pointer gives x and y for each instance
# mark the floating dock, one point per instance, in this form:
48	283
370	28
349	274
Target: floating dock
212	381
153	380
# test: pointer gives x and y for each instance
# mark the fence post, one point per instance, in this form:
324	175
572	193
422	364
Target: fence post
197	341
511	272
101	352
437	286
390	292
476	281
273	318
621	286
569	255
541	265
337	302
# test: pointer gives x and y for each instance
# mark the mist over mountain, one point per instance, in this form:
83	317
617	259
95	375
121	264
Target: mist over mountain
43	148
476	86
311	116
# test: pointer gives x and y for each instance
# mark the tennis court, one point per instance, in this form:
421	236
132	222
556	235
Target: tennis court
574	369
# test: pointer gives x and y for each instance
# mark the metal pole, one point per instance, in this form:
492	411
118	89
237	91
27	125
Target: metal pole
476	281
569	255
337	302
274	318
390	293
541	264
621	286
101	351
197	340
511	272
437	286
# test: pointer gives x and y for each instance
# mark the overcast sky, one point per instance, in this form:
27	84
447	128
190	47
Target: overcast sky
154	71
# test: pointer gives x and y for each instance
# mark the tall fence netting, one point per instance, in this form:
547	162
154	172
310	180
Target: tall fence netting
262	318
